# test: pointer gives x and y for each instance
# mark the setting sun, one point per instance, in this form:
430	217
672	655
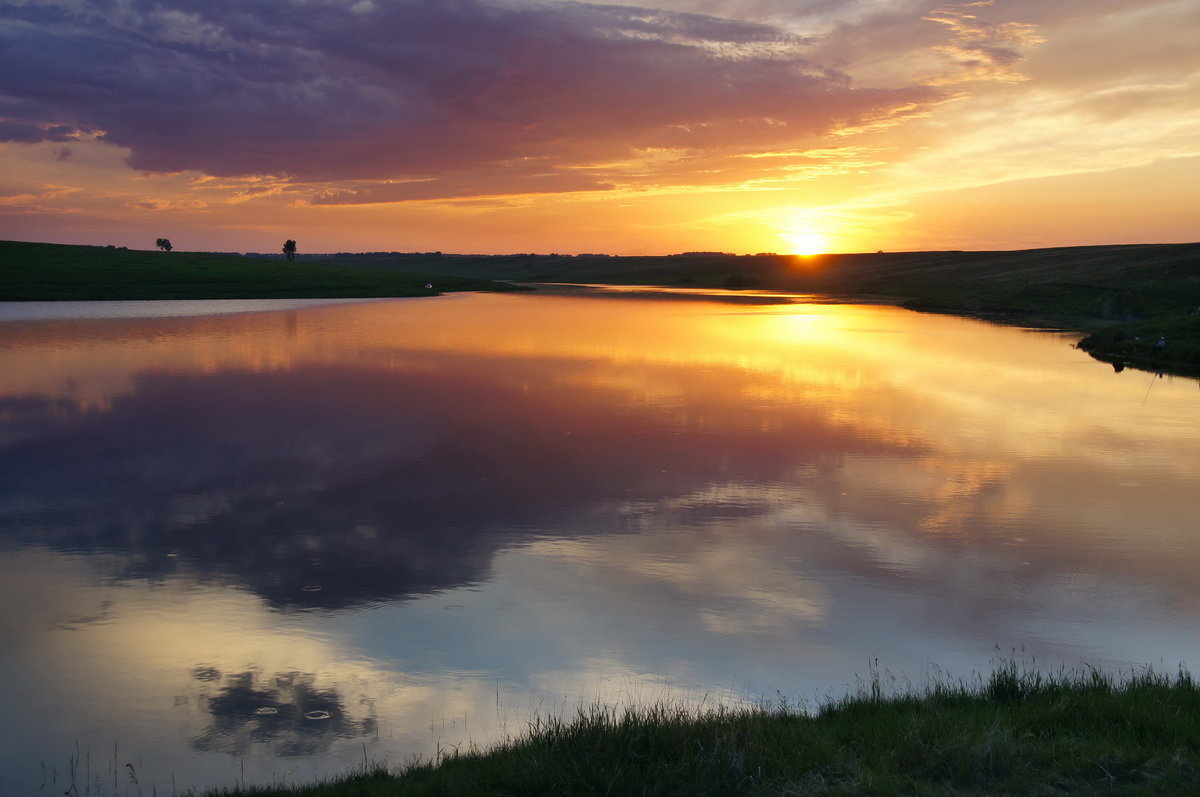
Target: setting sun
806	242
735	127
383	378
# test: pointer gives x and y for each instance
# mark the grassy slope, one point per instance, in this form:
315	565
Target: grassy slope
1093	281
1087	288
1019	732
33	271
1149	289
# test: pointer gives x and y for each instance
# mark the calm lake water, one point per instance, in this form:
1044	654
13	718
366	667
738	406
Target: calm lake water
262	542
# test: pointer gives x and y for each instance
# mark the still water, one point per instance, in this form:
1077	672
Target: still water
264	542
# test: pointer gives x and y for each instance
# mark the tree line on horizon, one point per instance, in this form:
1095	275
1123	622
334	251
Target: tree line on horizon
289	247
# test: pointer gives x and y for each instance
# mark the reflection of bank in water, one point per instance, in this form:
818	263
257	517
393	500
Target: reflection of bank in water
774	494
286	714
731	294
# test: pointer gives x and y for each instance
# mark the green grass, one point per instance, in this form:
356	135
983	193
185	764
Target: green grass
52	272
1139	344
1119	292
1097	284
1017	731
1131	291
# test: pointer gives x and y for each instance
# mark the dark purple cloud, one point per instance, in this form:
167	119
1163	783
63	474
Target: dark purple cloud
26	133
409	89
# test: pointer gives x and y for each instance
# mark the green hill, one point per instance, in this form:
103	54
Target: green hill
1140	300
51	272
1081	283
1131	296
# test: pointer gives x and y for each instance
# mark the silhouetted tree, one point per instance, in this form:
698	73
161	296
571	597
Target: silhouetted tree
163	244
289	249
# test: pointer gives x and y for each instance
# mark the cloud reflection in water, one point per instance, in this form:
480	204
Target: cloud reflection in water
417	511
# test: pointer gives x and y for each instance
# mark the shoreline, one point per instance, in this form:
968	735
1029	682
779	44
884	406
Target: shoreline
1136	305
1016	731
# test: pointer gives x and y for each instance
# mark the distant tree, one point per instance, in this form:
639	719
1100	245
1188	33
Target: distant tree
163	244
289	249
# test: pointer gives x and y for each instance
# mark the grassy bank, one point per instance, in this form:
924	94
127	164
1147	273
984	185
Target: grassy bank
1128	294
1085	283
1169	342
1016	732
53	272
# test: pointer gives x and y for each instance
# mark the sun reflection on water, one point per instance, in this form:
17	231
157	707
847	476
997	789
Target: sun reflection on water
407	524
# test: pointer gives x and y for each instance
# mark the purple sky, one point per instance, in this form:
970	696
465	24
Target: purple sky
726	123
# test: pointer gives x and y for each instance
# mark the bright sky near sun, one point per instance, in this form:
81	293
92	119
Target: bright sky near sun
629	127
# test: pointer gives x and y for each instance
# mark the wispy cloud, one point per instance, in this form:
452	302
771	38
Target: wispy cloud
473	185
35	201
982	50
27	133
167	204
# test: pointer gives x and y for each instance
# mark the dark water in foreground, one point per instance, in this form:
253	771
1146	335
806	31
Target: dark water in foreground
264	545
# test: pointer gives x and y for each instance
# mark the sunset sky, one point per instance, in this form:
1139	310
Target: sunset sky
628	128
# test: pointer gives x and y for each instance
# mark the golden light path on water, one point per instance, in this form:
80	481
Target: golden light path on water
265	544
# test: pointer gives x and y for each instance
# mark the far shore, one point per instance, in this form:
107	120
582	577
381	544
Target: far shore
1138	305
55	272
